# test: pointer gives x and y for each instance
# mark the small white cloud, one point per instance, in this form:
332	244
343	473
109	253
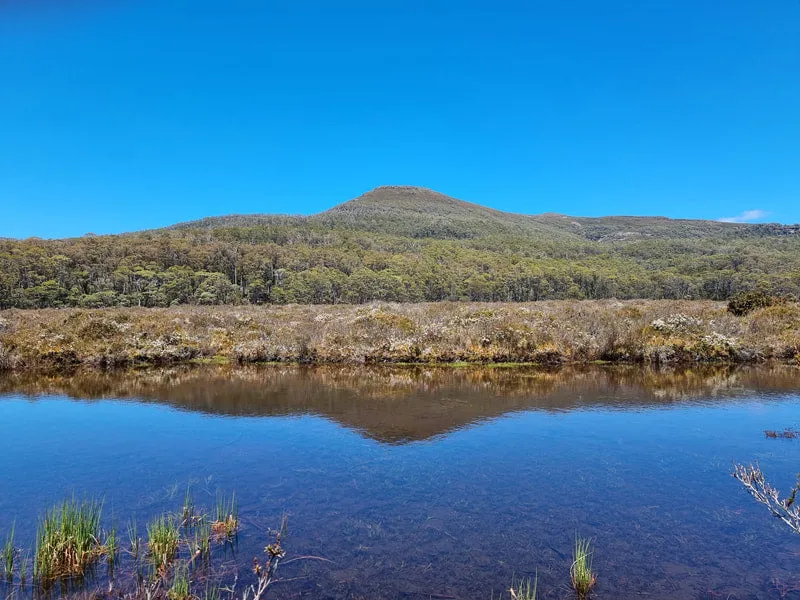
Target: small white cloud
747	216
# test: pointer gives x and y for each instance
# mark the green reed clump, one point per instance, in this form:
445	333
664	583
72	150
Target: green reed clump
189	516
581	574
112	546
202	539
212	592
8	553
524	590
23	567
163	538
226	521
68	540
133	539
180	588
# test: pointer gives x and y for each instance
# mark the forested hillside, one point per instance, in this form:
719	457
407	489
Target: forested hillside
401	244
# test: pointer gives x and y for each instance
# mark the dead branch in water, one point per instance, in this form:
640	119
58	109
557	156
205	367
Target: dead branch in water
753	480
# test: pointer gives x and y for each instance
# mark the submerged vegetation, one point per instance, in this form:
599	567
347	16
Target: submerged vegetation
68	547
651	332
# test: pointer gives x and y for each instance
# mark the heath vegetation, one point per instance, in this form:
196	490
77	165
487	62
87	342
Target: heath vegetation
654	332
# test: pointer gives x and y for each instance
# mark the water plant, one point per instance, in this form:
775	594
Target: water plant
23	568
266	570
581	574
523	589
133	539
112	546
163	538
226	520
212	592
180	588
68	540
189	516
202	540
8	553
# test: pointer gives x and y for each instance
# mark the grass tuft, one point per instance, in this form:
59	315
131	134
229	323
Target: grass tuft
8	553
133	539
581	574
202	540
180	588
189	516
226	520
23	568
67	541
163	538
212	592
524	590
112	547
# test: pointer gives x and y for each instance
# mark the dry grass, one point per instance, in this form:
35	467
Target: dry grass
647	331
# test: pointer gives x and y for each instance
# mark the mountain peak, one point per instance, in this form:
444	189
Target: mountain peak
410	199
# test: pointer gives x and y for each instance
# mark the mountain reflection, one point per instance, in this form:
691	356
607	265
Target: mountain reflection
402	404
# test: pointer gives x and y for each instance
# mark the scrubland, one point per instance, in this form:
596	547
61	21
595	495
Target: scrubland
553	332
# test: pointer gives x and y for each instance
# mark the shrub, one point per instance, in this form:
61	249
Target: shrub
744	303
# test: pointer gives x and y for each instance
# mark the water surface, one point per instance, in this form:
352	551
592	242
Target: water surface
420	483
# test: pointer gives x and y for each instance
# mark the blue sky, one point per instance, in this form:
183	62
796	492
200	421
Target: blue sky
118	115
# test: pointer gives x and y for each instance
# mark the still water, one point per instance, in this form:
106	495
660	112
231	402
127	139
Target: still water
430	483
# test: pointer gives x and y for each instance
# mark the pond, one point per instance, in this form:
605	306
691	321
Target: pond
429	482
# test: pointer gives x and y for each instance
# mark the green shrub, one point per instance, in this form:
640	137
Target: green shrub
744	303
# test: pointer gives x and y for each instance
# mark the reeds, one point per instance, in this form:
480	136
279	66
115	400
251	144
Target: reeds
133	539
202	539
226	520
189	515
581	574
180	588
212	592
112	546
67	540
523	590
8	554
163	538
23	568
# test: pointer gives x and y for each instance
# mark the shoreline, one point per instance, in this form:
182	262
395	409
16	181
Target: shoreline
495	335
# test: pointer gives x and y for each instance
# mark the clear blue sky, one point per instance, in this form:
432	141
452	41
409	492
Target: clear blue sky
118	115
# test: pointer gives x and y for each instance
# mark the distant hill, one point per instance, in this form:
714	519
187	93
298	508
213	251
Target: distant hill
420	213
403	244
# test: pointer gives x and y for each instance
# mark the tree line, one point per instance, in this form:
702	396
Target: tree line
297	262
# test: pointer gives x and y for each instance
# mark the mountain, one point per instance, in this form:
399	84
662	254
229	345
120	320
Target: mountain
419	212
402	244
